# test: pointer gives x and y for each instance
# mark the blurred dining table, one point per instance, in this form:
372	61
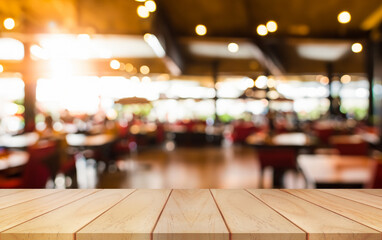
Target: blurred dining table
336	171
297	140
280	152
82	140
13	159
19	141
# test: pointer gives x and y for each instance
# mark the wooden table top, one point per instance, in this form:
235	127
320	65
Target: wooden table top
81	140
203	214
336	169
296	139
19	141
13	159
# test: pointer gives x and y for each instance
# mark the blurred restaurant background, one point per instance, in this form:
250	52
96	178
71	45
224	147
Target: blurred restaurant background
190	94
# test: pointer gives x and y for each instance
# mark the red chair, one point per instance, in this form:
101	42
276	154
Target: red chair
36	172
376	179
280	159
350	145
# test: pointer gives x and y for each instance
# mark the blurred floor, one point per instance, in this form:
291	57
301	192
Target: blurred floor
207	167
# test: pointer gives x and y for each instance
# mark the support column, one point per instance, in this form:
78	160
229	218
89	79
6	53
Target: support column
30	80
370	75
215	69
329	72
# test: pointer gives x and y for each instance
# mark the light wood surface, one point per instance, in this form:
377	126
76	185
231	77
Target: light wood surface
318	222
367	215
189	215
125	214
364	196
23	196
21	213
133	218
5	192
64	222
261	222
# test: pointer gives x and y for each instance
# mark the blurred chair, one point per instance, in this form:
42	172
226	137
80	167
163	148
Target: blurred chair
350	145
323	134
241	131
38	169
280	159
376	179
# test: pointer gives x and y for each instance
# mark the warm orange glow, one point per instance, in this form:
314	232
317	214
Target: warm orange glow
344	17
262	30
115	64
201	30
1	68
9	23
143	12
324	80
151	5
345	79
144	69
271	26
356	47
233	47
129	67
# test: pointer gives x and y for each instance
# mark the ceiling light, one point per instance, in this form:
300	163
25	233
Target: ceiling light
262	30
356	47
154	43
151	5
9	23
261	82
345	79
233	47
324	80
129	67
144	69
1	68
271	26
115	64
325	51
344	17
143	12
201	30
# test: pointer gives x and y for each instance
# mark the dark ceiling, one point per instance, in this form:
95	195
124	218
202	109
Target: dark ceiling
311	20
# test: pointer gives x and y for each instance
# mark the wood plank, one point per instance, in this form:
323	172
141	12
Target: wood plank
367	215
62	223
377	192
357	195
23	212
5	192
24	196
190	215
318	222
131	219
249	218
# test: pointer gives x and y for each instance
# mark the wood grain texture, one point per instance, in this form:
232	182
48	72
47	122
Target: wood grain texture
24	196
365	214
249	218
191	215
377	192
63	223
133	218
318	222
358	195
5	192
20	213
